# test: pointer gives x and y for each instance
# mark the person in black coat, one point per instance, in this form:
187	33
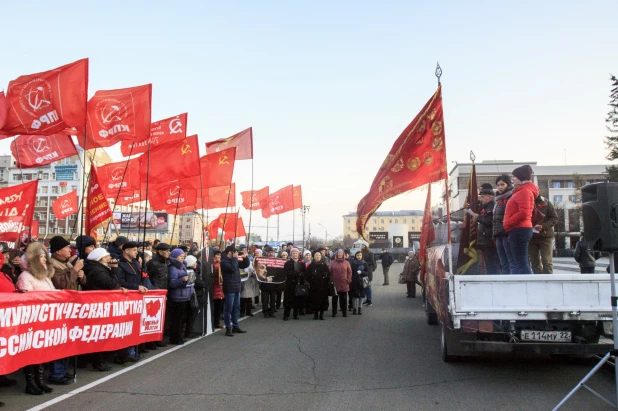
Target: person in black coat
360	269
115	248
129	269
157	267
318	278
231	263
504	193
294	270
586	258
484	231
387	261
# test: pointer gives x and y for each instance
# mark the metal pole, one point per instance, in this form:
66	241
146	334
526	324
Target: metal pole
277	228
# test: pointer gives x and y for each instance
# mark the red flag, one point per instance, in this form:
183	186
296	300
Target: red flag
468	254
114	115
36	151
121	176
418	157
170	196
175	160
162	131
3	110
428	235
298	197
128	197
31	232
243	141
217	169
219	197
278	202
66	205
48	102
97	208
223	220
251	199
16	209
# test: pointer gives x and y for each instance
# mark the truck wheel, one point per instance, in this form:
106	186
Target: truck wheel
432	318
446	357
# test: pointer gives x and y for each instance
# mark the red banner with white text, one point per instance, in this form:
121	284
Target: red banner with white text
16	209
42	326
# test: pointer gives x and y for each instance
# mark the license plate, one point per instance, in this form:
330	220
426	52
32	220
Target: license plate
546	336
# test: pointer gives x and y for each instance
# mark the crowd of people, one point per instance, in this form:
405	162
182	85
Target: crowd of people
314	282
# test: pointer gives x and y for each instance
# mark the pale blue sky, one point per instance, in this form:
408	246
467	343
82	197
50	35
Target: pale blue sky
329	85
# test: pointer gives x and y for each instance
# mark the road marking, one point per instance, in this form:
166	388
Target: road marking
130	368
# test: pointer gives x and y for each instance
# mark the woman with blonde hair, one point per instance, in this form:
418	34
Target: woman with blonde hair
37	271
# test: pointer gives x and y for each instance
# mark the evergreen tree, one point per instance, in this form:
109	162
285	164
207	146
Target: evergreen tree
611	141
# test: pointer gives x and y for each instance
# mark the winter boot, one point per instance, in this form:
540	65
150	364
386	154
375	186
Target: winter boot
359	311
228	332
38	377
354	311
321	315
315	316
31	386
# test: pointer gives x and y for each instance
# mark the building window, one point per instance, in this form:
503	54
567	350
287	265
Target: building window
54	189
44	189
45	176
570	184
390	221
404	221
555	184
573	199
381	221
42	203
53	176
542	183
374	229
557	199
60	230
63	189
52	230
16	177
375	220
73	217
73	188
349	229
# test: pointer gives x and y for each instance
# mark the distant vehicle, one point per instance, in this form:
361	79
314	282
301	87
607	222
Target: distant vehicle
376	248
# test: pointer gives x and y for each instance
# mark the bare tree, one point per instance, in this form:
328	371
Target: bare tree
611	141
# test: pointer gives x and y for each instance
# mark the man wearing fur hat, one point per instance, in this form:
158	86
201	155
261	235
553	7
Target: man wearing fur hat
68	273
484	231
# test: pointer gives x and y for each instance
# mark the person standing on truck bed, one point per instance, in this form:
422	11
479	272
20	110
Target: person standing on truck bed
505	190
387	261
484	231
584	255
371	262
518	218
540	248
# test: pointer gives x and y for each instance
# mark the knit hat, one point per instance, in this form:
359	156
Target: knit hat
306	252
486	189
505	178
294	249
148	253
57	243
97	254
523	173
190	261
176	252
257	252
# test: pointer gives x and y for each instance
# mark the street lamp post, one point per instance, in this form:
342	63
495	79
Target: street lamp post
304	210
326	233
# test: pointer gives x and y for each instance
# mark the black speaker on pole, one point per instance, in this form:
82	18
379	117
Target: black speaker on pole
600	212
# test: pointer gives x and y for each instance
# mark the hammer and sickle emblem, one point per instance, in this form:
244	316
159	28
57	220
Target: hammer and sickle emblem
223	160
186	148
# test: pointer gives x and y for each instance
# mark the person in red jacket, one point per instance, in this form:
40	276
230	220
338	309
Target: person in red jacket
518	218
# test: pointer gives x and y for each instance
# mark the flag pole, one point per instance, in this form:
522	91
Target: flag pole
175	218
294	228
118	194
203	243
236	227
146	205
85	182
226	207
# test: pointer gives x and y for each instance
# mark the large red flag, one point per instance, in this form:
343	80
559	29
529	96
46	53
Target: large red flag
219	197
171	196
278	202
251	199
122	176
298	197
225	222
217	169
36	151
48	102
16	209
97	208
162	131
171	161
31	232
235	228
428	234
114	115
418	157
243	141
66	205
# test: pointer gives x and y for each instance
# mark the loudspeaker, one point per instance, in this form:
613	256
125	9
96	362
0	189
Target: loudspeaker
600	203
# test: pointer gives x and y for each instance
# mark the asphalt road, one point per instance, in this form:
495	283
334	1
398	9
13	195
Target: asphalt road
388	358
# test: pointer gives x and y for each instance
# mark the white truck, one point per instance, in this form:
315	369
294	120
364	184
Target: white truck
556	314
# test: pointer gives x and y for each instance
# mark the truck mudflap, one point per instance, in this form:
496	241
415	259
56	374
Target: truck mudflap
534	348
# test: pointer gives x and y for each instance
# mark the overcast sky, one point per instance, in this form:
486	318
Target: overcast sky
329	85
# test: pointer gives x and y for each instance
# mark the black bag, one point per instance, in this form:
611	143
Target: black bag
302	290
332	291
195	305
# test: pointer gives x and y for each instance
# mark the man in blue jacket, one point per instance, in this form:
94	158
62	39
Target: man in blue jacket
231	263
